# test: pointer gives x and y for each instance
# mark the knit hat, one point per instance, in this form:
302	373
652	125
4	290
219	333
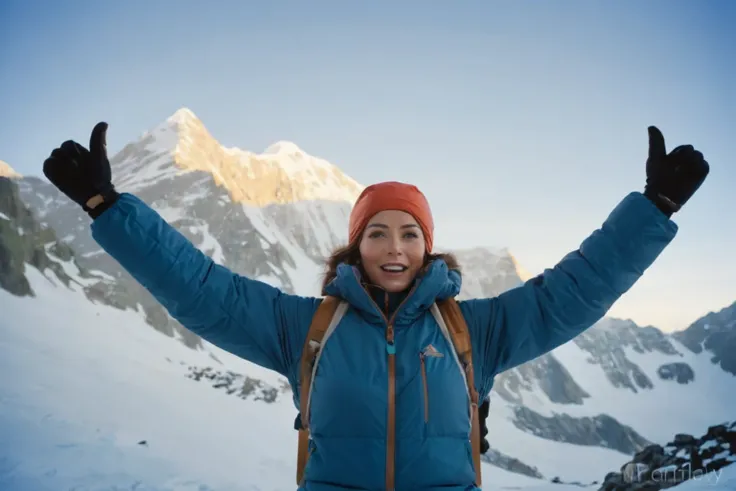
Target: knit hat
391	195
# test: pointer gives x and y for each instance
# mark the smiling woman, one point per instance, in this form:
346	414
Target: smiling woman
392	250
390	241
393	402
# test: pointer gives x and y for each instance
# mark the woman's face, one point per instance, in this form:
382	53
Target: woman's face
392	250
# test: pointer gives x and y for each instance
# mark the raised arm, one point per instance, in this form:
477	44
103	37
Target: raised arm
246	317
551	309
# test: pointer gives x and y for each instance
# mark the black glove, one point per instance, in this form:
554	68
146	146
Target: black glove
483	411
672	178
82	174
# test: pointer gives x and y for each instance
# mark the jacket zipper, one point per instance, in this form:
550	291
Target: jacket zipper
391	352
391	425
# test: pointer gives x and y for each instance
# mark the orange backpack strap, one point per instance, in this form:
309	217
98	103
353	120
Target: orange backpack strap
323	322
458	331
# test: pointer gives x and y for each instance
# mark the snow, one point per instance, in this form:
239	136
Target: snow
209	244
724	454
722	479
183	115
171	214
73	272
567	461
149	161
282	147
649	411
304	273
86	389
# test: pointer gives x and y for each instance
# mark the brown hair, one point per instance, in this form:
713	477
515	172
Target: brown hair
350	254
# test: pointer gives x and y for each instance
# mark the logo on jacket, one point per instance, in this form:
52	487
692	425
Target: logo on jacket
430	350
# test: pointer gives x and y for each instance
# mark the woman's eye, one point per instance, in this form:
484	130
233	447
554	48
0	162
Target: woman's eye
377	234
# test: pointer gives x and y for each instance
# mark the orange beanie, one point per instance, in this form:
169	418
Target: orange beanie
391	195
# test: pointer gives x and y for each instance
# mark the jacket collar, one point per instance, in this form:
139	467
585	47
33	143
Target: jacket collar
438	282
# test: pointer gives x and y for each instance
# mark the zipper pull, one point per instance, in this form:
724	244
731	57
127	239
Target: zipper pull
390	346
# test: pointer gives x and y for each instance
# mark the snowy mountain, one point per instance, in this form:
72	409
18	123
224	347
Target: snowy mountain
715	334
576	413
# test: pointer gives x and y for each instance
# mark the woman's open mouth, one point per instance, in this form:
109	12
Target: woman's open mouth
394	268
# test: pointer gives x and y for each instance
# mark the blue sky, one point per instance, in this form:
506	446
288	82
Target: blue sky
524	123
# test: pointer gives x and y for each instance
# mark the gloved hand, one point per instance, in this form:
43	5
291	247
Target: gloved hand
84	175
672	178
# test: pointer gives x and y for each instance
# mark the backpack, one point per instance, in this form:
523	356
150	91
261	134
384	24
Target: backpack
325	320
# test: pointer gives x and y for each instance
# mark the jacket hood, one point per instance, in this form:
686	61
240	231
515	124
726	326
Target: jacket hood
437	282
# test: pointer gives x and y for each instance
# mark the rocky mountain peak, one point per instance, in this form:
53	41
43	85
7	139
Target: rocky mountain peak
716	334
283	148
7	171
184	117
282	174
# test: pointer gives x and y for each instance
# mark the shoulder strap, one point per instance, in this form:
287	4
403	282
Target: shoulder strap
457	328
325	319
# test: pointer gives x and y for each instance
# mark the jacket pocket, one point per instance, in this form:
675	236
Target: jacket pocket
425	386
428	352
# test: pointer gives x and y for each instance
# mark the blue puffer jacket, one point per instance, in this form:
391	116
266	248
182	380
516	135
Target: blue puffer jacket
355	445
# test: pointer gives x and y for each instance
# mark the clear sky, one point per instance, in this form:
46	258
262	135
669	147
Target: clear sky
524	122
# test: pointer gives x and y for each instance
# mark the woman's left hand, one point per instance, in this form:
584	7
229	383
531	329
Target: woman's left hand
672	178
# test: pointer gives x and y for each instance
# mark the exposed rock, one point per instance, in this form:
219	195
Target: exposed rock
685	457
548	374
601	430
716	334
23	241
606	343
511	464
678	371
242	386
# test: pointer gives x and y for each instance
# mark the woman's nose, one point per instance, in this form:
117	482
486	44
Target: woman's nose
394	246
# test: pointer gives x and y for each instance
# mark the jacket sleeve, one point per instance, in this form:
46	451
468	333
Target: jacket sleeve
556	306
246	317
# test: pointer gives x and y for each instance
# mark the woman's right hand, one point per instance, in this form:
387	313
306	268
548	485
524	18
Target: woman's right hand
84	175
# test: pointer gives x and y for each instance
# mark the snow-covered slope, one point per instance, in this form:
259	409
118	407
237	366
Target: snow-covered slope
624	371
90	384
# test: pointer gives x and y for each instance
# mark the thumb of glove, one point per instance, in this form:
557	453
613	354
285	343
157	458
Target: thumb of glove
98	142
657	149
98	169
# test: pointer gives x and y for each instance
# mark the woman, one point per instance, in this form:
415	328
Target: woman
402	425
